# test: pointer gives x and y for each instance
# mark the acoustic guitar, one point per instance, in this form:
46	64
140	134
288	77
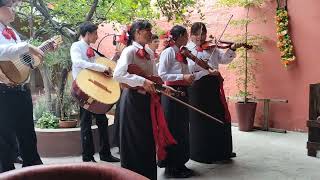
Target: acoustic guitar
95	91
17	70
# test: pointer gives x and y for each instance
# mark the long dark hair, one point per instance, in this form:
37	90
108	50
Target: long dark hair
176	32
196	27
137	25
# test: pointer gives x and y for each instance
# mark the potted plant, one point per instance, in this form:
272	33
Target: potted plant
69	112
245	65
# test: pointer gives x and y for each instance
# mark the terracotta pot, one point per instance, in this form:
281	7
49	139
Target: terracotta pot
245	114
70	123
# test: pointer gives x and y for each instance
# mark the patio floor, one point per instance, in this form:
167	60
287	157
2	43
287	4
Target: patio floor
260	156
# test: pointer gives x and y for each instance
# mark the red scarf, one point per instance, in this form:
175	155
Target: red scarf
161	133
156	55
90	52
8	33
142	54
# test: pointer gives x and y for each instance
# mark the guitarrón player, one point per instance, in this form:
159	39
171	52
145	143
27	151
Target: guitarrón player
84	57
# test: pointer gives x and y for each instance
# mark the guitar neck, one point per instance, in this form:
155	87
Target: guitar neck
45	47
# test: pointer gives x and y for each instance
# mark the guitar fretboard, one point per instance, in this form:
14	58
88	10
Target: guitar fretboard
27	57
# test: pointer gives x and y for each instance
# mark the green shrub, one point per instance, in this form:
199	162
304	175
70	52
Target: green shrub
40	107
47	121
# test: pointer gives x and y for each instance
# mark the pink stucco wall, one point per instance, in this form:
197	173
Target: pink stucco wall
273	79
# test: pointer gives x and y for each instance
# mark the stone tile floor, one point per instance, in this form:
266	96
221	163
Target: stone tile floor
260	156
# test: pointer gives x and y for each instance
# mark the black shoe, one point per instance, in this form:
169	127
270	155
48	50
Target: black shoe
162	163
233	154
223	161
88	159
109	158
176	173
187	170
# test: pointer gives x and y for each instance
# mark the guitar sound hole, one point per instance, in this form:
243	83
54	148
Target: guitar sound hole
28	60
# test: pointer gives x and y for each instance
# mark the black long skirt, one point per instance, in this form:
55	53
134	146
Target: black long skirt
177	118
209	140
136	137
116	126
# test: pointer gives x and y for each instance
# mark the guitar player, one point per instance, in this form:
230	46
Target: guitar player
84	57
16	110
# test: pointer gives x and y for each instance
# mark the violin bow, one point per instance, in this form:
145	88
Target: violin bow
191	107
214	49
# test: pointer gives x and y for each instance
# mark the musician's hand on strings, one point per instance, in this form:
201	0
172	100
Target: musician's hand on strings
169	90
156	79
36	51
149	86
54	46
108	72
235	46
189	78
214	72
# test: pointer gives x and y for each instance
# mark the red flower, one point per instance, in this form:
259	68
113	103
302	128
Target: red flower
123	38
167	35
90	52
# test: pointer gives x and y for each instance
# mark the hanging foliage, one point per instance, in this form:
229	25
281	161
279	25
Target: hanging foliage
284	41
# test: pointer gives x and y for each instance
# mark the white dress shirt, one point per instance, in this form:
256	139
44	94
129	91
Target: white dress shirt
218	57
128	56
169	68
81	61
10	49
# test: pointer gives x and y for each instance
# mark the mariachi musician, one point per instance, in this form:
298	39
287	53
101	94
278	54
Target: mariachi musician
210	142
84	57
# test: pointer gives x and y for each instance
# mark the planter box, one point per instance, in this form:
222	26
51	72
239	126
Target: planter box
66	141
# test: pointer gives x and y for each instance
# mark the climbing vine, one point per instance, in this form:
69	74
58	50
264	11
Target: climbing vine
284	40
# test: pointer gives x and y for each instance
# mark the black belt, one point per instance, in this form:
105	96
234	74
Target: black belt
22	87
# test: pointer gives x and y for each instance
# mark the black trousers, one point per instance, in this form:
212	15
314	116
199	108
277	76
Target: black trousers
16	120
86	134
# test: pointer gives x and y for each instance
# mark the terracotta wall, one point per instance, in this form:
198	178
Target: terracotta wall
273	79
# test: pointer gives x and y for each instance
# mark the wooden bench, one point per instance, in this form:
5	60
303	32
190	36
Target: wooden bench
266	109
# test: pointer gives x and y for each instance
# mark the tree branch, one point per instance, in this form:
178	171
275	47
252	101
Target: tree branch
41	7
92	10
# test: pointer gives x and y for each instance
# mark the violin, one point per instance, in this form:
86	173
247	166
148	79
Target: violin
159	84
211	44
187	53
